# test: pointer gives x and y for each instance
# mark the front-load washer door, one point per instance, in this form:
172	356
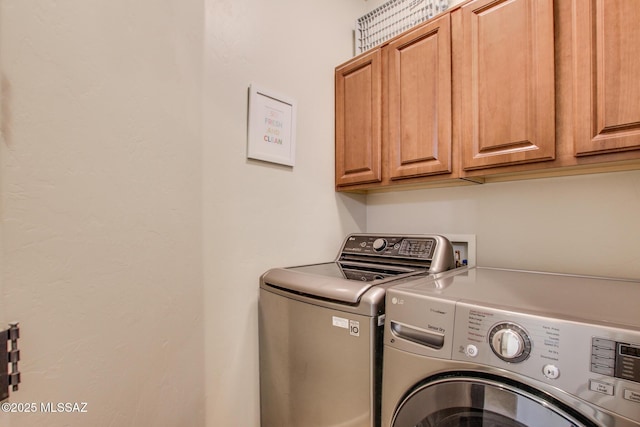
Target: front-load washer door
482	402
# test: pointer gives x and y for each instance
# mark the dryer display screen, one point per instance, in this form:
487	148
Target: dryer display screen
628	362
627	350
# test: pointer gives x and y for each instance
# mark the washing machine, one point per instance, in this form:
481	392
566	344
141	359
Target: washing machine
321	328
502	348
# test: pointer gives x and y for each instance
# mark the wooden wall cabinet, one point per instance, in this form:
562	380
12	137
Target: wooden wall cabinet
494	90
394	121
607	76
358	86
419	101
507	78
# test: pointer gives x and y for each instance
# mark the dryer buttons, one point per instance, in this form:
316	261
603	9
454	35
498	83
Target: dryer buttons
551	371
471	350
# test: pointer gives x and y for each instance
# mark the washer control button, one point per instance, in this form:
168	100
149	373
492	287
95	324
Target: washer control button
471	350
551	371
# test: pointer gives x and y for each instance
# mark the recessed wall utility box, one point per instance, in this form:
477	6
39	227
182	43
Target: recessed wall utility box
464	248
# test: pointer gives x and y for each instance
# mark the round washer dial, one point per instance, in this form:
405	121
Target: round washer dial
510	342
379	245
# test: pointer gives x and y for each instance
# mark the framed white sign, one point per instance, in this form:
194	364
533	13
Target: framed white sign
272	127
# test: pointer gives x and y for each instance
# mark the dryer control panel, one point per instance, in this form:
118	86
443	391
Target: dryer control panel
615	359
598	364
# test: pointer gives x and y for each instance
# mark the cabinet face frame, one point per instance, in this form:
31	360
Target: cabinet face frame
508	93
358	125
420	110
606	69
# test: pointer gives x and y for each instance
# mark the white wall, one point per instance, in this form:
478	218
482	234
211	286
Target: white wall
258	215
134	229
102	215
581	224
4	417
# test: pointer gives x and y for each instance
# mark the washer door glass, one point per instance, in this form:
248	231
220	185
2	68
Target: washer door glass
481	402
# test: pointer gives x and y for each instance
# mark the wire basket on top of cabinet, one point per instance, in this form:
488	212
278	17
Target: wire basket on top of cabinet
391	19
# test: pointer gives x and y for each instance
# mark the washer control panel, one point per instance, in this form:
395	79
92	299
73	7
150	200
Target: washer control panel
391	246
430	252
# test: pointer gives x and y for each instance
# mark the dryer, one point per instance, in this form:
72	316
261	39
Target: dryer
504	348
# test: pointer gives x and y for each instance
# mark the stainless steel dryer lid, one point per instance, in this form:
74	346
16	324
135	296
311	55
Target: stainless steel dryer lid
563	296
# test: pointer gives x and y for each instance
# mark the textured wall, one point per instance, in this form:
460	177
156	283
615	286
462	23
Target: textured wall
580	224
258	215
101	195
128	200
4	417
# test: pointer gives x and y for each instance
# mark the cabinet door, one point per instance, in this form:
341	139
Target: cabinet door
607	76
508	95
420	101
359	120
